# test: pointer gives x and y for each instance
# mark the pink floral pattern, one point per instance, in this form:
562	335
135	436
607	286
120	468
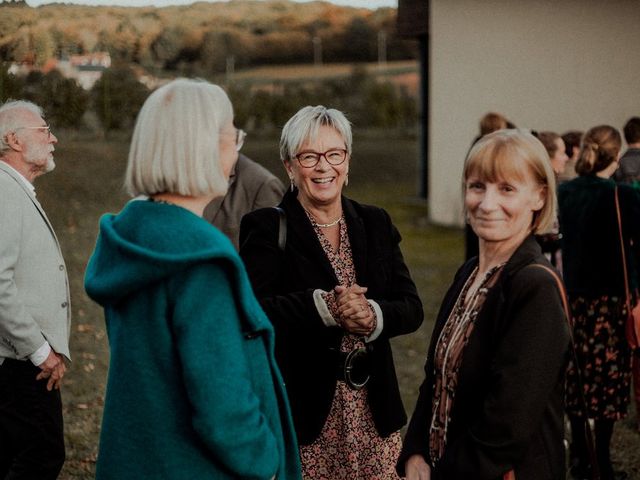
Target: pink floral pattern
349	446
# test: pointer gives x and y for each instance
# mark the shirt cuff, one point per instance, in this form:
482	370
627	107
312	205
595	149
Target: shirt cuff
323	308
41	354
379	322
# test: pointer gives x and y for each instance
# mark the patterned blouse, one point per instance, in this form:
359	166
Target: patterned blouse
449	352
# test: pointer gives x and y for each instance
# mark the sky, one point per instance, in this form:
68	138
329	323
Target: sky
163	3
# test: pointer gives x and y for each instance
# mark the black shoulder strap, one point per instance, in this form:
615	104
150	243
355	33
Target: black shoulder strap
282	228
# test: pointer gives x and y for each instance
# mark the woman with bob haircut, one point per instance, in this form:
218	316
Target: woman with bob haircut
491	404
193	389
594	275
330	275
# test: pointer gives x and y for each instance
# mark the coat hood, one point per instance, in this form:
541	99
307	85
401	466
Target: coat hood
146	243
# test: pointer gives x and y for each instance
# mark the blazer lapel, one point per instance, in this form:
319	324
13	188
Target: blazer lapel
300	233
358	240
14	175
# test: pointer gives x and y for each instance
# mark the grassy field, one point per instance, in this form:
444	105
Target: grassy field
87	183
399	72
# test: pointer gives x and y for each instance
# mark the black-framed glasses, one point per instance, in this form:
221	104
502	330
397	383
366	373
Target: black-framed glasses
43	127
309	158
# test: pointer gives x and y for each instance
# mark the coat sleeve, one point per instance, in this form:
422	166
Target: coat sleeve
19	332
217	375
630	211
289	312
526	368
400	304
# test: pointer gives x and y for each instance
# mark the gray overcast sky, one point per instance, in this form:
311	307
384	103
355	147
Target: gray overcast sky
163	3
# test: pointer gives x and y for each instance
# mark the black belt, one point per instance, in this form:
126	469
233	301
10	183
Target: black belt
354	367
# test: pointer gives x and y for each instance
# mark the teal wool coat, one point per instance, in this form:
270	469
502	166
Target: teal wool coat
193	390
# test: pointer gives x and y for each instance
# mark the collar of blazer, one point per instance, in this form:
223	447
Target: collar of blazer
14	175
300	232
526	253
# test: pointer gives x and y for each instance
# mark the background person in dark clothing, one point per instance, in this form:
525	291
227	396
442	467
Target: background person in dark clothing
594	276
629	169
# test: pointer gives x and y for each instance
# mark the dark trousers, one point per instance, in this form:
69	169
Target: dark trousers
31	429
603	433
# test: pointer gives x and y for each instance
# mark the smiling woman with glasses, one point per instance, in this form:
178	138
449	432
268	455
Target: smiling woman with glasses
330	275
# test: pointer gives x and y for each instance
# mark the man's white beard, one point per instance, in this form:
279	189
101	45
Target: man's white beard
36	156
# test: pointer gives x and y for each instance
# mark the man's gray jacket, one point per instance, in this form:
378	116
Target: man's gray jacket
34	289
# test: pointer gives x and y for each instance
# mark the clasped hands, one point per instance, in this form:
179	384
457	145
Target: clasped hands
53	369
355	316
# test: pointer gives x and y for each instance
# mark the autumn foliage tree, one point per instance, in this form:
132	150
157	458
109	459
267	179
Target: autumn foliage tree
117	97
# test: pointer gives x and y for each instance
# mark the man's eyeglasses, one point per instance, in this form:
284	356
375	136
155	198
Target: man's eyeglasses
310	159
240	136
43	127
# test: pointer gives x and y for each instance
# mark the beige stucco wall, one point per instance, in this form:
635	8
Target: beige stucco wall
546	64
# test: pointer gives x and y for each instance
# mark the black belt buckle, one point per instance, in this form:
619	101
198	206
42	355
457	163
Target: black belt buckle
356	368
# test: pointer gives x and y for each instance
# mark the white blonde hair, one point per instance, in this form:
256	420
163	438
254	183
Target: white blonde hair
175	141
304	125
11	119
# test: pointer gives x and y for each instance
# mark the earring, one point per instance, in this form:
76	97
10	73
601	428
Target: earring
292	184
346	180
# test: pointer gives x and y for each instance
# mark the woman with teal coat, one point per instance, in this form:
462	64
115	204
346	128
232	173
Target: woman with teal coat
193	390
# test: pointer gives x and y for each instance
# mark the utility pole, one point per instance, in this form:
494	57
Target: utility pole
317	51
382	48
231	67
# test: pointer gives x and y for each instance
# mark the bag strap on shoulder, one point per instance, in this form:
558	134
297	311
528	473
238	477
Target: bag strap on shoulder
282	228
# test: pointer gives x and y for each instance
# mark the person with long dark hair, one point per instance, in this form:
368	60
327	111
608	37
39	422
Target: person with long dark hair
594	276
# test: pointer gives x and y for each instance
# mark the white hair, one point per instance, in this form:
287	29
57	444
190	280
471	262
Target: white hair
11	120
175	144
303	127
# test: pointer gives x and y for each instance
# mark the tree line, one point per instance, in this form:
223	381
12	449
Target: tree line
202	38
117	96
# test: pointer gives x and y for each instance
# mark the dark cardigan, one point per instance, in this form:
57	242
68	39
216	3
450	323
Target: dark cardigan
284	283
508	409
591	254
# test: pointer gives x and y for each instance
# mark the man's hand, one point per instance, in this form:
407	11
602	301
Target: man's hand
53	368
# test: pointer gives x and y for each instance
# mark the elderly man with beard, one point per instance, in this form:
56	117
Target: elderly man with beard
34	303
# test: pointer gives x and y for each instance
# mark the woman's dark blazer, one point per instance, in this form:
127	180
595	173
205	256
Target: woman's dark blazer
508	409
284	283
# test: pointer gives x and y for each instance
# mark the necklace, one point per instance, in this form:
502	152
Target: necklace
322	225
327	225
166	202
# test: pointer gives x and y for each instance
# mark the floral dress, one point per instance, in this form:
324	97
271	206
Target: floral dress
603	356
349	446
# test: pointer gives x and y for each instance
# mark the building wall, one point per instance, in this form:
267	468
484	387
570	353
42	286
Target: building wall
545	64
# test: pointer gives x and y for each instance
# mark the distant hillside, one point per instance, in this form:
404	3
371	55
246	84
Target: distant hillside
202	38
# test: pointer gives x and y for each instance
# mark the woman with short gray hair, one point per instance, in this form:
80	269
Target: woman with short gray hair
330	275
193	388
